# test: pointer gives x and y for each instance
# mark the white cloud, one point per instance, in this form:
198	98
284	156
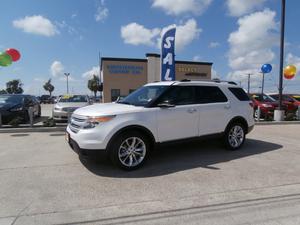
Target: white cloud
57	68
137	34
197	58
102	12
293	60
90	73
251	44
177	7
214	44
186	33
214	74
242	7
36	24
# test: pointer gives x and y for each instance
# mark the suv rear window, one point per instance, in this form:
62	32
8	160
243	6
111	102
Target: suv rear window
209	94
240	94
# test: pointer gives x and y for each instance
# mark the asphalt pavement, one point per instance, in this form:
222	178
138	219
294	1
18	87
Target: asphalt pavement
44	182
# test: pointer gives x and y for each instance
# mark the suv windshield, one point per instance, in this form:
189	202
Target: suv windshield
15	99
143	96
73	98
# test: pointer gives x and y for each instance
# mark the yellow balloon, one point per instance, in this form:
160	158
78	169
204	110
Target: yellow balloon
290	70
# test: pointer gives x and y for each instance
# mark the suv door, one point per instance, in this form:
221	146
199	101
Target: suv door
180	119
215	110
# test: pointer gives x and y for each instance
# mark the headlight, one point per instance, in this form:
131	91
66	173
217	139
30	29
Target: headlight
57	109
16	109
95	120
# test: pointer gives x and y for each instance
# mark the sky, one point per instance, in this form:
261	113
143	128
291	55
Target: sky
59	36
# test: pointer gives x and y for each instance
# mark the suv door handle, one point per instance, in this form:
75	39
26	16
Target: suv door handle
192	110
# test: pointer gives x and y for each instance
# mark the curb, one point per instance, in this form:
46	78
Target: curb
32	129
277	123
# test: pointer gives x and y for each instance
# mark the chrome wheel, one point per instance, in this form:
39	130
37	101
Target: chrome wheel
132	151
236	136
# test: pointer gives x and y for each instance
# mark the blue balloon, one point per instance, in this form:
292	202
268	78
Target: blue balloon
266	68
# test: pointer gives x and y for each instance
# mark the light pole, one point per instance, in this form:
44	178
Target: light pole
67	75
279	114
281	52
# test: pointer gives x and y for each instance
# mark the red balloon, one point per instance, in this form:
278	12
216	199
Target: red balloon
14	53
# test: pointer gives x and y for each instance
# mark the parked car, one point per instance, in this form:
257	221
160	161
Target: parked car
68	104
160	113
296	99
266	103
46	99
17	105
291	103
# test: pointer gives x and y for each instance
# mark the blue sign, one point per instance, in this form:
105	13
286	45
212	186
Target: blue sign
168	55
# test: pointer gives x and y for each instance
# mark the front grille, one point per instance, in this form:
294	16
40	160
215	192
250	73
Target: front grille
69	109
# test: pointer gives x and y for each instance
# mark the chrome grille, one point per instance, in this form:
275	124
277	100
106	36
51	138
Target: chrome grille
69	109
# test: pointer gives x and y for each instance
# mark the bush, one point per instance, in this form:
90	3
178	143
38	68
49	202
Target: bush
15	122
49	122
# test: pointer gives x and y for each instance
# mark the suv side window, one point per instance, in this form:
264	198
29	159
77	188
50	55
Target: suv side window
180	95
210	94
239	93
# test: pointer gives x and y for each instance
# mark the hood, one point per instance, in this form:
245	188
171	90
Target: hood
7	106
107	109
71	104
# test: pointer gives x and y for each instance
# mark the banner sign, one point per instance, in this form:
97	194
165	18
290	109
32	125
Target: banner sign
168	55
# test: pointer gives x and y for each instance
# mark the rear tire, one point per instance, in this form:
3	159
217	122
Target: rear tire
234	136
129	150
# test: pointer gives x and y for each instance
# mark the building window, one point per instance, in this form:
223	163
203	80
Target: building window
131	90
115	93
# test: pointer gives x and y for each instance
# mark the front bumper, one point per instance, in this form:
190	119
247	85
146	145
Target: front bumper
89	139
60	115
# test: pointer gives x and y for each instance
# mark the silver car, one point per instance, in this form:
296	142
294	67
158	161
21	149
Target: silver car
67	104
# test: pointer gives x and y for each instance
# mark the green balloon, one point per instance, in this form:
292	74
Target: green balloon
5	59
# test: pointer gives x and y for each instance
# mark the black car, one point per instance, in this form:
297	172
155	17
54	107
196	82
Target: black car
15	105
46	99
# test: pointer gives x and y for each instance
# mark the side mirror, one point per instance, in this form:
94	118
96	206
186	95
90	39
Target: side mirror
165	105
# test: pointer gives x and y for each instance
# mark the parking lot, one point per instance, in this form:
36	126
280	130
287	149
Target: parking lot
44	182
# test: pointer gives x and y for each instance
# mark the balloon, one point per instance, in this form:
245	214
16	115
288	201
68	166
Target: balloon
5	59
14	53
289	72
266	68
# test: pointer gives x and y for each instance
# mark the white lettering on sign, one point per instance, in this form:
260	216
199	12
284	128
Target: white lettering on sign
167	75
168	59
168	40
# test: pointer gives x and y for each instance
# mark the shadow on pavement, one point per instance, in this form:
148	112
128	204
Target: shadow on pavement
180	157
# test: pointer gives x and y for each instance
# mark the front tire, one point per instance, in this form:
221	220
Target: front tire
234	136
129	150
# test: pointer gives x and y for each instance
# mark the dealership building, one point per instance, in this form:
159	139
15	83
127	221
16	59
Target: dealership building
122	76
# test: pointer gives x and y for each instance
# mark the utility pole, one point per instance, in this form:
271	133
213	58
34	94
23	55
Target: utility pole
67	75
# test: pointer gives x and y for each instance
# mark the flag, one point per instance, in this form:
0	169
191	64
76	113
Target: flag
168	54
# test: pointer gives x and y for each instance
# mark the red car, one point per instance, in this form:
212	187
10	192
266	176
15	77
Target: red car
296	99
266	103
291	103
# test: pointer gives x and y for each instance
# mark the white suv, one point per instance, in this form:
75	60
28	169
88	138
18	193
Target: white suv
162	112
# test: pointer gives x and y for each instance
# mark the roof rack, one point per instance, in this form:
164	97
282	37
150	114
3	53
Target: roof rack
215	80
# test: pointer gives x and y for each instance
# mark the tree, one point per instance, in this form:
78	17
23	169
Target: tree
14	87
94	85
49	87
2	92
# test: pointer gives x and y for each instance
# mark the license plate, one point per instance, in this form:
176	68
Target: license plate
67	137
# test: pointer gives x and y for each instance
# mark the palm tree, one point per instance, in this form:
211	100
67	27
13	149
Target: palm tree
49	87
14	87
94	85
